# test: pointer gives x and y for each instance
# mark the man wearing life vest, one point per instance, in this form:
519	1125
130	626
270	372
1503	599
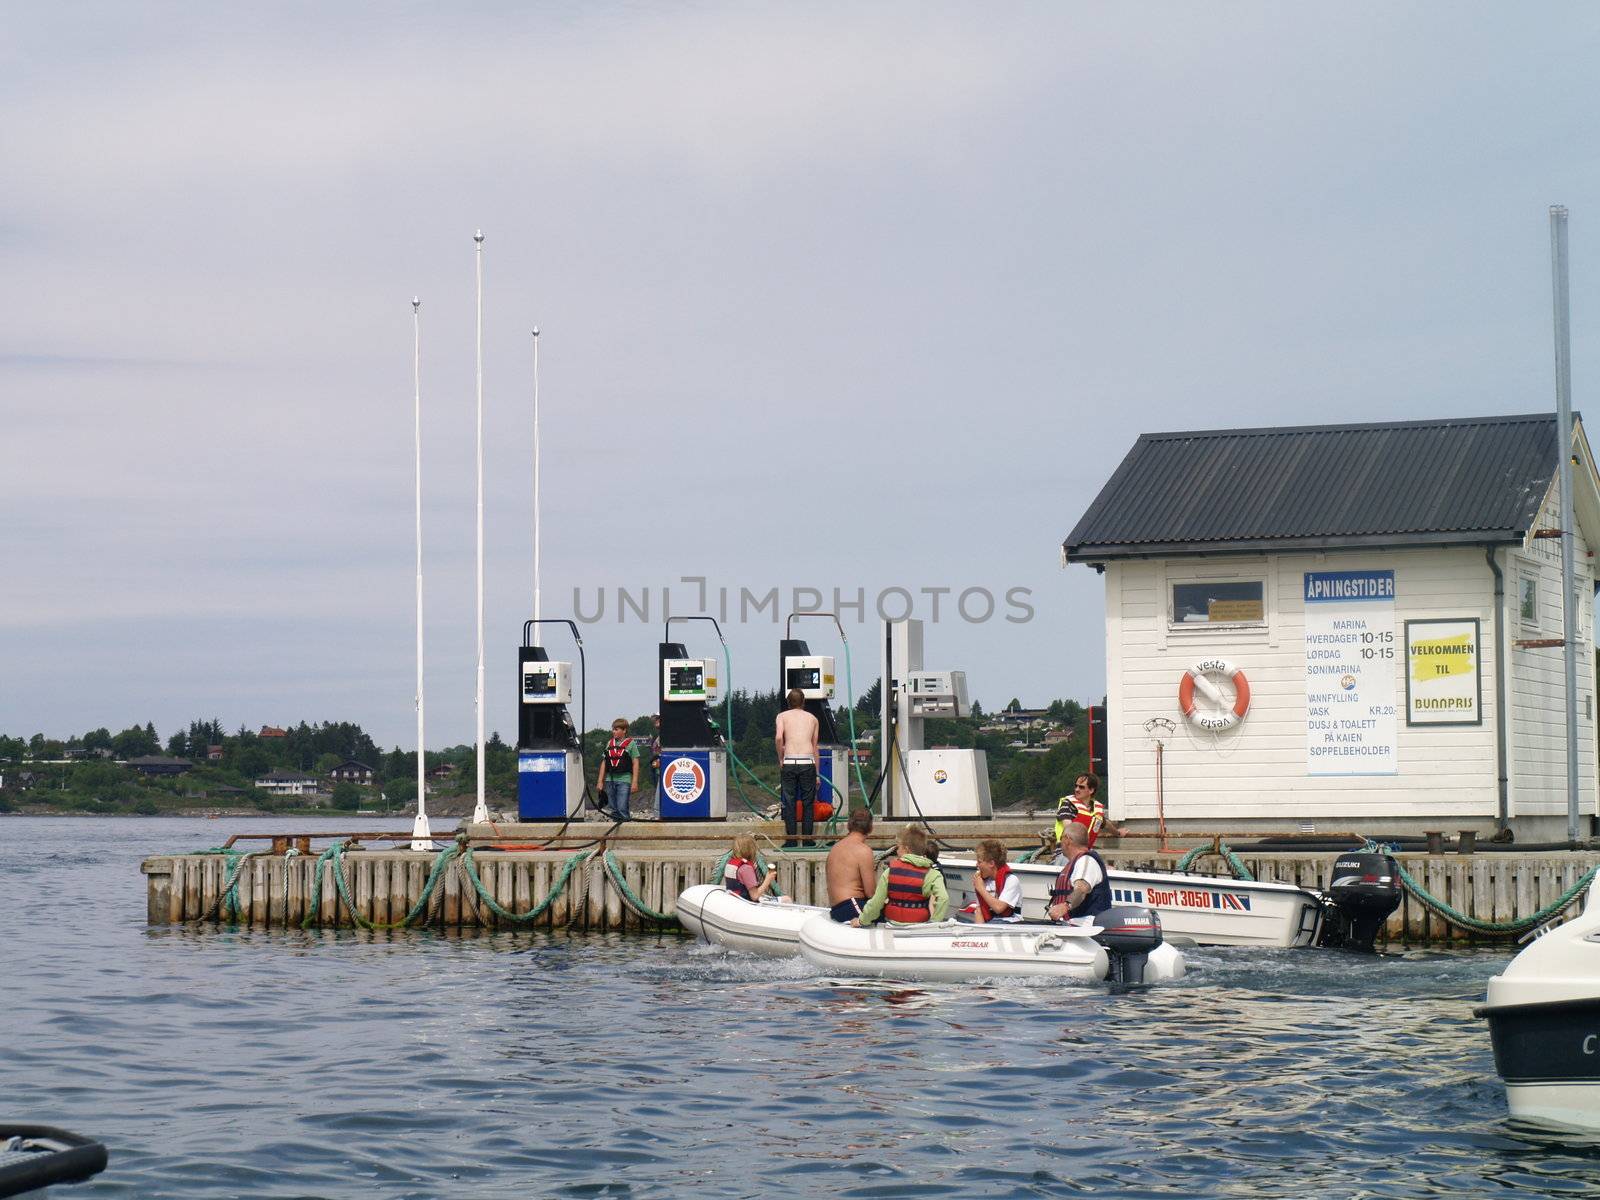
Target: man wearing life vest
1081	890
1084	806
739	874
999	891
619	771
910	889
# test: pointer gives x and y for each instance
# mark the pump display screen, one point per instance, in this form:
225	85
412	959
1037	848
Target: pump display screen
687	681
807	679
536	684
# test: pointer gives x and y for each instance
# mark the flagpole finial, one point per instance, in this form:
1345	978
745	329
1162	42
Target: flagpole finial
416	303
478	237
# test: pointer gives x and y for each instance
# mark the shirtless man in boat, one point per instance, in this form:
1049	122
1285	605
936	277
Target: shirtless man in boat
796	738
852	876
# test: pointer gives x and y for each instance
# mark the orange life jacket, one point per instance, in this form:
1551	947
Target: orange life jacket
906	902
730	876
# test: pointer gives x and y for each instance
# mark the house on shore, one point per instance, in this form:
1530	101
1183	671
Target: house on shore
1346	627
288	783
351	771
159	764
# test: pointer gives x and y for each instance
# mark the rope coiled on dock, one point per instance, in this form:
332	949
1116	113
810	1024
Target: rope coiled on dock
229	894
629	896
538	910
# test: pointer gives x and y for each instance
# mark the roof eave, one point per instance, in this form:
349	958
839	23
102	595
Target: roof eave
1092	555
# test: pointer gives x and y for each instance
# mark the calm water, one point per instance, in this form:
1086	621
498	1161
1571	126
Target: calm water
277	1064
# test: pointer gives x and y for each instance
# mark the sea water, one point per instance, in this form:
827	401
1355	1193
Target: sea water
221	1062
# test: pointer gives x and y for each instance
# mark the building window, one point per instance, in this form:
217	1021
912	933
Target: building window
1528	600
1230	602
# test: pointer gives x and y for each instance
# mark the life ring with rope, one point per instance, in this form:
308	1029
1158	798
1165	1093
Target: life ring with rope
1195	677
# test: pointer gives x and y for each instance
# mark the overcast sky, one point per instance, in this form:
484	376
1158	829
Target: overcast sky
832	296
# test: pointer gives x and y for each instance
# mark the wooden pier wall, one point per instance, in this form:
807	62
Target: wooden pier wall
275	892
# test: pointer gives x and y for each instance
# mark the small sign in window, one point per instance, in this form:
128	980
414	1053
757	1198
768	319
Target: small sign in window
1230	602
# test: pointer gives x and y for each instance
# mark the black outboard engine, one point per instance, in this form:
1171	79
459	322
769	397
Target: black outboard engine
1363	890
1129	933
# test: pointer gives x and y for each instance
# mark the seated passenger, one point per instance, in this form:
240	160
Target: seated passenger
1081	890
739	876
910	889
852	874
999	891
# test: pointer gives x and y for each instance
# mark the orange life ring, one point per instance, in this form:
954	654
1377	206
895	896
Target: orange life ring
1219	721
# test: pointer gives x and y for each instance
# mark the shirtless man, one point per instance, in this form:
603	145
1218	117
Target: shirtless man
796	739
852	875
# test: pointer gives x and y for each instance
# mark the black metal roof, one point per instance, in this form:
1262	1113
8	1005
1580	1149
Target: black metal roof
1400	483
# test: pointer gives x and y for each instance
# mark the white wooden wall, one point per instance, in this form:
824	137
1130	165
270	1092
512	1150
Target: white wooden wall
1538	733
1257	771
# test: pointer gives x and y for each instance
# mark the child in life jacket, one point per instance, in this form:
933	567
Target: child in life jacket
739	876
910	888
999	890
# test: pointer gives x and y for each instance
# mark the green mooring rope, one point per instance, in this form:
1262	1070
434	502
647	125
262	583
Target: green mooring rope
538	910
1476	924
1235	863
629	896
335	855
230	889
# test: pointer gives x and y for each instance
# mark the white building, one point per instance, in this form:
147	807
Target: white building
288	783
1341	600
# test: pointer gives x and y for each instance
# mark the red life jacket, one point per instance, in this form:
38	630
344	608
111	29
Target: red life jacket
730	876
906	903
981	909
617	755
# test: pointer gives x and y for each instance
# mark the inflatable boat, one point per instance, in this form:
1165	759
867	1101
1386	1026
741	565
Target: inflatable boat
1544	1023
714	914
1123	945
1206	910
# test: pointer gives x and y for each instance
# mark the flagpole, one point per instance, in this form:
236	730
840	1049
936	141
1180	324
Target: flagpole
421	835
480	811
537	481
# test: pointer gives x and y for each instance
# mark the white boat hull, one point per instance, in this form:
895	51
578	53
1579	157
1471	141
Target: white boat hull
716	915
952	951
1544	1022
1200	909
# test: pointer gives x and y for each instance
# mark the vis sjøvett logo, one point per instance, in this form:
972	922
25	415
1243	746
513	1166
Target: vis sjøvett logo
684	780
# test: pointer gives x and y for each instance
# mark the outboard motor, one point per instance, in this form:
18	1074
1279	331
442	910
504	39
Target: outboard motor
1129	933
1363	890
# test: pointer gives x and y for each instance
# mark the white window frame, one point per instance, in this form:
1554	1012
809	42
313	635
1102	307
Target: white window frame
1527	578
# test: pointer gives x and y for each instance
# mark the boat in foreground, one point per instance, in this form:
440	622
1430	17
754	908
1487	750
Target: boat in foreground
1123	945
41	1156
1207	910
1544	1022
714	914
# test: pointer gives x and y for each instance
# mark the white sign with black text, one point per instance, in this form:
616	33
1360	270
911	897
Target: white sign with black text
1350	673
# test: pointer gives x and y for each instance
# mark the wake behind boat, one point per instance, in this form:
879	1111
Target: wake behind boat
1544	1022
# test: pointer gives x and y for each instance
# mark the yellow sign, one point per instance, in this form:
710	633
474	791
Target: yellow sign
1443	681
1234	610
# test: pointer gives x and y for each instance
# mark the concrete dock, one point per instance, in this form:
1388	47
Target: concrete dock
594	877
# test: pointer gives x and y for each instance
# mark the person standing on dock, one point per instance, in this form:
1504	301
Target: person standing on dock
1082	889
911	888
1084	807
796	738
851	873
619	771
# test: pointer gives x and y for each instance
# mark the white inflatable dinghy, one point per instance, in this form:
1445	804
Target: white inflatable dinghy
714	914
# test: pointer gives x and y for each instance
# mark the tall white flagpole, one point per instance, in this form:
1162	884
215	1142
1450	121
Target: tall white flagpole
480	812
421	835
537	481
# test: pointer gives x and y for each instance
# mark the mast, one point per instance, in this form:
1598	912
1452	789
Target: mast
421	835
1569	615
480	811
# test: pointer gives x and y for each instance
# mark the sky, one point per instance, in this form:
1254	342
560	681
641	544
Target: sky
830	296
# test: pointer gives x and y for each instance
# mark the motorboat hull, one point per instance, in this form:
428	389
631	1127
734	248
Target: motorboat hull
716	915
952	951
1544	1023
1200	909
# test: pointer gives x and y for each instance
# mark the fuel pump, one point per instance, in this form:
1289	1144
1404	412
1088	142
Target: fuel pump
926	783
814	675
693	783
550	775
